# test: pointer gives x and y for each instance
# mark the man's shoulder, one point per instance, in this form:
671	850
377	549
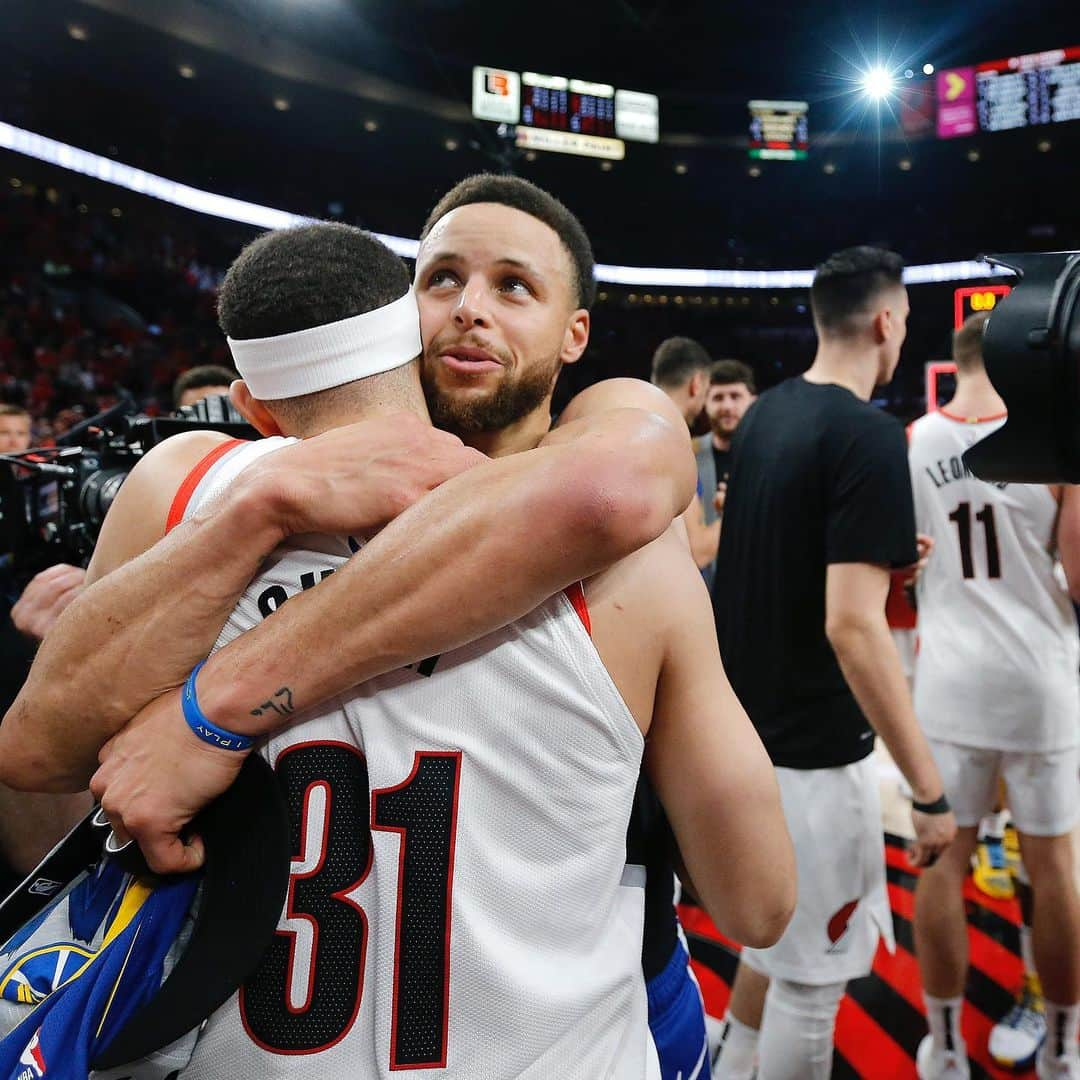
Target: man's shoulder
183	451
149	496
862	418
922	427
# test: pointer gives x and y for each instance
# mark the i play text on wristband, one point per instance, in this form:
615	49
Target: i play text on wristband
206	730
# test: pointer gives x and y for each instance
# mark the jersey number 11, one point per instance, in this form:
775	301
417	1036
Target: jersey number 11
962	518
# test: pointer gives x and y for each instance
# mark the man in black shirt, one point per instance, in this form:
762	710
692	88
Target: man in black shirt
819	509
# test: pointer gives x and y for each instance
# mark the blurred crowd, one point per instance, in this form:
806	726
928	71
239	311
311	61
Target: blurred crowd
91	307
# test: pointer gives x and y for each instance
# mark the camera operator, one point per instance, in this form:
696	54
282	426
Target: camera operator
207	380
24	619
14	429
49	592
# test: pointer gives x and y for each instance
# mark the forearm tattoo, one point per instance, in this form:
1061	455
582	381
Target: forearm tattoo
281	703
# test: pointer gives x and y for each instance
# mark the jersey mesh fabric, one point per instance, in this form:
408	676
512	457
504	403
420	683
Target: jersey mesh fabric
457	898
998	644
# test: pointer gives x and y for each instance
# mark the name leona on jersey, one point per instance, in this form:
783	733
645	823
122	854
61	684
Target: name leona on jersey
946	470
273	596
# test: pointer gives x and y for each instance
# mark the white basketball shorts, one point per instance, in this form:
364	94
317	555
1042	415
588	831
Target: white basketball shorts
1043	787
834	816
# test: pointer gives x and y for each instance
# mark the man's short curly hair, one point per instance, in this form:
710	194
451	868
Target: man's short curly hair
296	278
522	195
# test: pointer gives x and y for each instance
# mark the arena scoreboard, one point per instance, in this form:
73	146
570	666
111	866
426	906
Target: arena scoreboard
559	104
1000	95
779	130
564	115
970	300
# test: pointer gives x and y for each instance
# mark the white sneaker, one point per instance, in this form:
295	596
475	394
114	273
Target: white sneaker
1015	1040
934	1064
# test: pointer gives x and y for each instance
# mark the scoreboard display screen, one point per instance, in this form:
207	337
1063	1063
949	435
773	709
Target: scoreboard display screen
553	103
565	116
1043	88
1000	95
779	130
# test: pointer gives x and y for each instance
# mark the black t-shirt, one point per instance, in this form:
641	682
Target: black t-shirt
817	477
722	461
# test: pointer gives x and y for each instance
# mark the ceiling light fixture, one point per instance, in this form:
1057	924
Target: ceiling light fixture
877	83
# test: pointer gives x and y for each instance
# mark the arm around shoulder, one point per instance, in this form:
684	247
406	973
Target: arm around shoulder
633	429
587	497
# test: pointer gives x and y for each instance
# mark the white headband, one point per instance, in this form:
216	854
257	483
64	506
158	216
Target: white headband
292	365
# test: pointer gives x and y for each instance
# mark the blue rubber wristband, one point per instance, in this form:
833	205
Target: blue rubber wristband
206	730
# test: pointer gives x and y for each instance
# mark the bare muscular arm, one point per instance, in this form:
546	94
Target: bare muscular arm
154	607
485	549
75	678
479	552
858	632
713	776
605	485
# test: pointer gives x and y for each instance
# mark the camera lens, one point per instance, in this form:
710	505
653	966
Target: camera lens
1032	350
98	491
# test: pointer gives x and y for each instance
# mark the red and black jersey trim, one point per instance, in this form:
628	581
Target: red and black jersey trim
192	480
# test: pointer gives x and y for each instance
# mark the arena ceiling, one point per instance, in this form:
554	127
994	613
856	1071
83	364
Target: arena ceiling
704	59
360	109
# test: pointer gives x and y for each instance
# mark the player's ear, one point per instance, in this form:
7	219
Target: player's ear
576	337
253	410
882	325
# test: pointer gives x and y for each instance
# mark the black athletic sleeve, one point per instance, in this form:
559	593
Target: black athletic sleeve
870	516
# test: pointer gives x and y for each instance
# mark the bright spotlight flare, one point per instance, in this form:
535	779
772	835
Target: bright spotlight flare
878	83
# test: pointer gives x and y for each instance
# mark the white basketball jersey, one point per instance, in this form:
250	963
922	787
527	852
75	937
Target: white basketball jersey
998	645
459	898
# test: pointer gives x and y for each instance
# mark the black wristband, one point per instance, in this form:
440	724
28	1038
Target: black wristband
939	806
